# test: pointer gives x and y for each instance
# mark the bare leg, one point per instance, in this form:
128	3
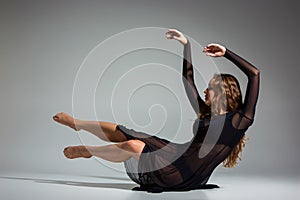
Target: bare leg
104	130
114	153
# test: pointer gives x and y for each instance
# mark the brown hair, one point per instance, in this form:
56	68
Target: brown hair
227	96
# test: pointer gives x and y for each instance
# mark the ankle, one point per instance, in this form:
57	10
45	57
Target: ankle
78	124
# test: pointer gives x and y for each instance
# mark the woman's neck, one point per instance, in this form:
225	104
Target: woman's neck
223	112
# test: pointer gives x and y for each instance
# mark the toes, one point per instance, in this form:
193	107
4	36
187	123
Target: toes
56	117
76	152
67	152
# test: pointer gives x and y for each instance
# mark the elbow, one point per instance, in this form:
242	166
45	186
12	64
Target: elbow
254	75
256	72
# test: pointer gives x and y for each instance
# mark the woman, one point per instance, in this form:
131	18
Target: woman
219	130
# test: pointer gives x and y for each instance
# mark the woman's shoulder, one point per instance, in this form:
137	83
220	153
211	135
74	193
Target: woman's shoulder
241	121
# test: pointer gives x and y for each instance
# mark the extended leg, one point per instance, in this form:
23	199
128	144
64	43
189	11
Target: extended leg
104	130
114	153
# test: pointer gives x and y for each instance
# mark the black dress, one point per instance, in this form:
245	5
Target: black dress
167	166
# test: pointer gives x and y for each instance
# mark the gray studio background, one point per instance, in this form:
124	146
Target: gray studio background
44	43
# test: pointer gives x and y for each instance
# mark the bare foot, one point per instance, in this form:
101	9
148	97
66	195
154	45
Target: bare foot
65	119
77	152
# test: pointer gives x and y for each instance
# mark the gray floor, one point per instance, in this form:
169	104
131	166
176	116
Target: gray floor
55	186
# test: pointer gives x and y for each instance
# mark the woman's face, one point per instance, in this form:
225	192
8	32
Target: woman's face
209	94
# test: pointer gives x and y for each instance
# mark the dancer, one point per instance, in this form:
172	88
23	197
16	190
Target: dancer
157	164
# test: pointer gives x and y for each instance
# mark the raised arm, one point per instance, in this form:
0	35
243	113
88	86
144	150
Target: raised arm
188	81
253	83
188	73
248	109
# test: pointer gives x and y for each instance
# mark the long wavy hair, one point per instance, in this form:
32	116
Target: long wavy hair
228	97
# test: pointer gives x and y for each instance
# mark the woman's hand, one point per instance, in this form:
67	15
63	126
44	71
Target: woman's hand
214	50
177	35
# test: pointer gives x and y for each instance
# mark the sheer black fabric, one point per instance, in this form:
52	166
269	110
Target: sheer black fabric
165	166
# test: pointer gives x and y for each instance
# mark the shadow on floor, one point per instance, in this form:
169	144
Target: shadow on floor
123	186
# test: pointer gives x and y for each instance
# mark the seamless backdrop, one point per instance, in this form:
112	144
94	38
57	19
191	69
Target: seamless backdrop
44	43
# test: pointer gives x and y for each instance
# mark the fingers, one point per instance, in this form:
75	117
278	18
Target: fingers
211	54
208	49
212	45
205	49
174	30
170	36
171	33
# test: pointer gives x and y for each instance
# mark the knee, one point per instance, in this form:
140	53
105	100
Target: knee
134	146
